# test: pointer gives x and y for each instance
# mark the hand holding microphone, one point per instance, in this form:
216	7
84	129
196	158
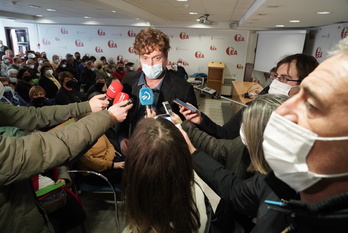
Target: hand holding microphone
114	88
146	98
119	111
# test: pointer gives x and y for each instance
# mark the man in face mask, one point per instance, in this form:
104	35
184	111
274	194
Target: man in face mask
305	144
152	46
120	72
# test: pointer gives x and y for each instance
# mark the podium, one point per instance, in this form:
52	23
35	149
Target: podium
215	75
239	88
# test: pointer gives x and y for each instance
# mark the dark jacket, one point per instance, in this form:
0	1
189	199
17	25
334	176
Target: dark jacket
87	78
65	96
49	86
249	196
172	87
24	157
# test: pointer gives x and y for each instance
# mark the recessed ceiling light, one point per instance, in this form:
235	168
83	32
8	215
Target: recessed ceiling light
34	6
38	15
294	21
113	11
323	12
193	13
279	25
51	9
181	0
87	17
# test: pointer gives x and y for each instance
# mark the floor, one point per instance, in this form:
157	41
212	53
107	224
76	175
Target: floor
100	207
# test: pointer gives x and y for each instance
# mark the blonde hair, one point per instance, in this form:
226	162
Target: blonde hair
35	90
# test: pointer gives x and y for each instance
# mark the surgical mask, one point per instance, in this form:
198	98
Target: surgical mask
93	69
175	66
131	68
179	64
56	61
6	61
40	62
2	90
286	146
31	66
242	134
31	56
152	72
48	72
278	87
63	66
120	69
7	88
13	80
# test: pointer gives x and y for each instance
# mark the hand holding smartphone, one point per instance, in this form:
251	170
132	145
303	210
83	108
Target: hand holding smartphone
185	105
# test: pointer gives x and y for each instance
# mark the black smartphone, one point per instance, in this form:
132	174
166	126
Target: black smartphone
185	105
167	107
130	101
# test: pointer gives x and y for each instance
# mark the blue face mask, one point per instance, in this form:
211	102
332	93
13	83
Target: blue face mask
92	69
152	72
7	88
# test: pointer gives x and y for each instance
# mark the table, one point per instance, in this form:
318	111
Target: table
239	88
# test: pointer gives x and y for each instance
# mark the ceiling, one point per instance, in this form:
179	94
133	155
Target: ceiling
224	14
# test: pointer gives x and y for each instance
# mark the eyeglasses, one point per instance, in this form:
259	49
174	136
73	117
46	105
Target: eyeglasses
283	79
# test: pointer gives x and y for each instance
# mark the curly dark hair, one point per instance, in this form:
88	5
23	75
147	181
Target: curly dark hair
150	39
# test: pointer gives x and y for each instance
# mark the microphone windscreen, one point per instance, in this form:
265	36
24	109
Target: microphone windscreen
121	96
114	88
146	96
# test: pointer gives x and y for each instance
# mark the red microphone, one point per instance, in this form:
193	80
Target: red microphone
121	96
114	88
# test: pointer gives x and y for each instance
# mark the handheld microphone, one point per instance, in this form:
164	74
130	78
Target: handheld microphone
146	96
114	88
121	96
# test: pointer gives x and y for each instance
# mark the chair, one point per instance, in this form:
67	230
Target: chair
81	186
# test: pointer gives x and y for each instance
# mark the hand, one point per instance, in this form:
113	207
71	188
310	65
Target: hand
188	141
124	145
118	112
119	165
60	180
98	102
149	112
194	117
176	119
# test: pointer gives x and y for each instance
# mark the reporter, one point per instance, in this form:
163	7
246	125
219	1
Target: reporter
22	158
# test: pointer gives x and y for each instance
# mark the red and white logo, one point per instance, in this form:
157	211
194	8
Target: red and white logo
199	54
344	32
119	58
101	32
45	41
239	38
131	33
112	44
131	50
57	38
231	51
212	48
239	66
184	36
98	49
79	43
64	31
318	53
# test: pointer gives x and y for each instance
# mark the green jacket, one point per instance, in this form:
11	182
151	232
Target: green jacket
24	157
231	153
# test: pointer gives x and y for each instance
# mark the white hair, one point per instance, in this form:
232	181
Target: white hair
340	48
12	71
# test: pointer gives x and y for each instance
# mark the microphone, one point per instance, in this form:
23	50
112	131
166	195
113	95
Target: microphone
114	88
146	96
213	93
121	96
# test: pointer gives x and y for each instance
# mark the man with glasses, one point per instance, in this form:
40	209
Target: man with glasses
152	46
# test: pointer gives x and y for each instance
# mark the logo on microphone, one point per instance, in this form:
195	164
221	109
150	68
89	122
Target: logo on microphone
184	36
318	53
231	51
238	38
146	96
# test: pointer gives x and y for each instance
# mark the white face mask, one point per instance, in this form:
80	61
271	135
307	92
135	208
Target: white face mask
2	90
242	134
31	66
13	80
152	72
278	87
48	72
286	146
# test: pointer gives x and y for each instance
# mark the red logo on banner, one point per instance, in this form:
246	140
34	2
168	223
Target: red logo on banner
240	66
131	33
238	38
344	32
212	48
199	54
46	42
101	32
318	53
131	50
119	58
112	44
231	51
98	49
64	31
78	43
183	36
57	38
